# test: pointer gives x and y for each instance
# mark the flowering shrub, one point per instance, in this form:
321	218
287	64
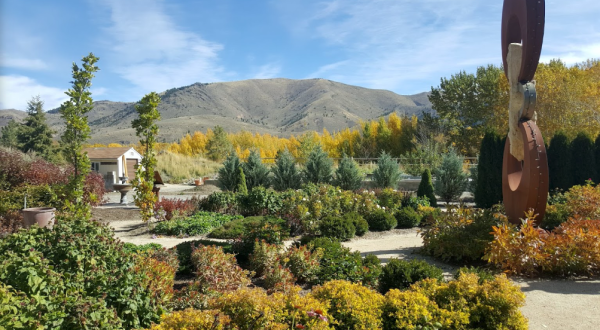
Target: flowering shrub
217	271
197	224
193	319
569	250
461	234
352	305
167	208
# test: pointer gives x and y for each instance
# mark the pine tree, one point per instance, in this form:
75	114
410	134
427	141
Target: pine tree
426	188
219	146
387	174
348	175
285	173
488	187
583	161
257	174
318	167
242	187
450	179
77	131
10	135
35	134
228	174
559	162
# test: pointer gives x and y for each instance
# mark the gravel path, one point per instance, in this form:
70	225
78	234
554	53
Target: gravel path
550	304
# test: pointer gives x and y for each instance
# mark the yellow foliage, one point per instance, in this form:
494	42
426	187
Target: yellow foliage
193	319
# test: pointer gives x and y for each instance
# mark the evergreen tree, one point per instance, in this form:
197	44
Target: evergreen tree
77	131
10	135
242	187
426	188
348	175
218	146
488	187
147	130
35	134
387	173
257	174
319	167
285	174
450	179
583	162
559	162
228	174
597	156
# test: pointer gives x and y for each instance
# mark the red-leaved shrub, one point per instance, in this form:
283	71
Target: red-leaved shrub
167	208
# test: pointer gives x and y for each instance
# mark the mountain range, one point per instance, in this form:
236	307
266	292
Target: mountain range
276	106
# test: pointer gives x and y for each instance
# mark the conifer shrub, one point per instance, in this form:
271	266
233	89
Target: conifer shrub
426	188
318	167
341	228
583	163
559	162
401	274
387	173
380	220
348	175
450	180
285	173
242	188
407	217
257	174
229	178
488	185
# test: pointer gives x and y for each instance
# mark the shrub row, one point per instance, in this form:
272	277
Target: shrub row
197	224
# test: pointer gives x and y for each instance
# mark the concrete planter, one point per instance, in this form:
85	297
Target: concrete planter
42	216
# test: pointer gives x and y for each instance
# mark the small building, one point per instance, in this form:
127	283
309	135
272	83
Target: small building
114	163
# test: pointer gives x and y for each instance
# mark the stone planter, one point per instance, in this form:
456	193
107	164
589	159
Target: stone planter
42	216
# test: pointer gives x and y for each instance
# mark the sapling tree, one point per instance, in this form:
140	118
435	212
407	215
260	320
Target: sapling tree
348	175
257	174
147	130
450	179
228	174
285	174
387	174
319	167
77	131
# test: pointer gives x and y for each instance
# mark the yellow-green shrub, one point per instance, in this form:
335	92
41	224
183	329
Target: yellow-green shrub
193	319
352	305
492	304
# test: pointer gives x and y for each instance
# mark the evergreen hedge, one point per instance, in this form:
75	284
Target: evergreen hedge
583	163
559	162
597	156
488	187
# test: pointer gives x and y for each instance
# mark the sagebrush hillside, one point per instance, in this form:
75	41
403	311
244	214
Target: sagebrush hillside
276	106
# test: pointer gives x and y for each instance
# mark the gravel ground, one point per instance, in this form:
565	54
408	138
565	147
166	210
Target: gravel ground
550	304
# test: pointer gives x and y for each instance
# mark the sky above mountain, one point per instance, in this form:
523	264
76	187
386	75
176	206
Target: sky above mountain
154	45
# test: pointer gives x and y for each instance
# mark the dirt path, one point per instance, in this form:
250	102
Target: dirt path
550	304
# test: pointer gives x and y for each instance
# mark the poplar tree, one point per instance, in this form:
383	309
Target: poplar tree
77	131
147	130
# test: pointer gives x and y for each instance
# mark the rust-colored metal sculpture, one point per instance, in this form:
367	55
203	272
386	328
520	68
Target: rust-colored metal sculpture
525	165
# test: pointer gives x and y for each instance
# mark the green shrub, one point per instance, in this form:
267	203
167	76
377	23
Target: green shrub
348	175
303	263
401	274
80	262
221	202
270	230
450	179
461	234
488	185
559	162
257	174
413	310
483	274
583	164
285	173
184	253
259	201
407	217
236	228
197	224
318	167
387	173
361	225
133	248
555	215
426	188
264	256
380	220
229	178
340	228
409	200
390	198
242	187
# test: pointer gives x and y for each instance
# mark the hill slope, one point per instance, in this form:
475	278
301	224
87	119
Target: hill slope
276	106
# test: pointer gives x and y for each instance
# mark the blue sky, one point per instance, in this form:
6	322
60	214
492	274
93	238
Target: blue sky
153	45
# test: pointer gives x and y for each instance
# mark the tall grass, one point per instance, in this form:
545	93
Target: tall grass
176	168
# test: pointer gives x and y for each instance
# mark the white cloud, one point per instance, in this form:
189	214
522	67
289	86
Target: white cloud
16	91
406	46
267	71
155	54
23	63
